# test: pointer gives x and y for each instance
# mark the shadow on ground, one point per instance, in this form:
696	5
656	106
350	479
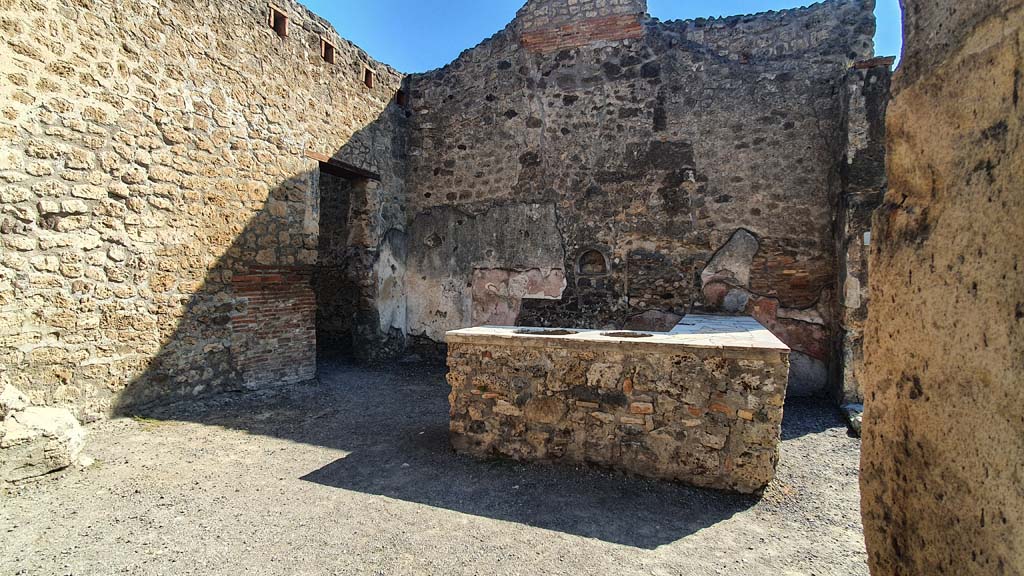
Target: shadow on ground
392	422
810	415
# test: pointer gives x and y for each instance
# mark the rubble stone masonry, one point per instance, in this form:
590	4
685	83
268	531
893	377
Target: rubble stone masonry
161	183
159	213
708	416
628	164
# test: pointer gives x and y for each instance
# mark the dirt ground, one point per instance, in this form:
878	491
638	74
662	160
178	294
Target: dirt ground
354	476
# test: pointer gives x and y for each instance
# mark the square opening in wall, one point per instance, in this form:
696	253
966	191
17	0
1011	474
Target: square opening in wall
401	98
368	78
278	21
327	51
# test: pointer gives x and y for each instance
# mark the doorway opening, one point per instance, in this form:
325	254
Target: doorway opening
338	279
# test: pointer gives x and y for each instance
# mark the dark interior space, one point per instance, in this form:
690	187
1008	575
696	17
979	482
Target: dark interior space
336	290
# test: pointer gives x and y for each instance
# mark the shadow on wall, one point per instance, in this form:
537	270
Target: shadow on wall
223	335
251	325
252	321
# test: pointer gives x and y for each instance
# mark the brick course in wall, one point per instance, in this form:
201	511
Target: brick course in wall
274	331
604	28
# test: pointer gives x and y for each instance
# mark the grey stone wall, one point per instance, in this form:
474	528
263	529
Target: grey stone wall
540	14
863	186
650	151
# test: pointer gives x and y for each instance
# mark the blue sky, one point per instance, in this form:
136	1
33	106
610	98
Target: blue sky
419	35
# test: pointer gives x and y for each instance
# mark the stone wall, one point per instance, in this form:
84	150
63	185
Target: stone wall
863	185
544	14
943	432
705	416
627	165
162	166
160	214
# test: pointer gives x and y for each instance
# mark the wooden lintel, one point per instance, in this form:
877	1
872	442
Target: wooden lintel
332	165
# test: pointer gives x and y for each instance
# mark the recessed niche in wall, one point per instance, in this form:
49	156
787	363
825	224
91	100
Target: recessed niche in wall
327	51
592	263
368	78
401	98
278	21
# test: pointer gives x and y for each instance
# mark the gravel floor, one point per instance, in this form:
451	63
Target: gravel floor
354	476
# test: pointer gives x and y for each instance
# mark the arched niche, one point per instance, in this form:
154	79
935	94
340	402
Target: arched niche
591	263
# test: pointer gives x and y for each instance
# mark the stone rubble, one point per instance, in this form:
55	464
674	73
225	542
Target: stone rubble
36	440
854	415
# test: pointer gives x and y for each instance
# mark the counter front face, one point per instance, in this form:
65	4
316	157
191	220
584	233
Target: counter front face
701	404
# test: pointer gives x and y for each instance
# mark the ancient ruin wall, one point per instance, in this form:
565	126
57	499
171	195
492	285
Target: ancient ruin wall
159	211
552	25
943	433
624	165
863	185
704	416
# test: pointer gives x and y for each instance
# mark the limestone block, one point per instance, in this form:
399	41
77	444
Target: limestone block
38	440
12	400
732	262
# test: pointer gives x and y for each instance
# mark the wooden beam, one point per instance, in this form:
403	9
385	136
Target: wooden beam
332	165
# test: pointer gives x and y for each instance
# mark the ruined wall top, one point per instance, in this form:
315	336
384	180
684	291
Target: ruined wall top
825	27
834	31
549	25
539	14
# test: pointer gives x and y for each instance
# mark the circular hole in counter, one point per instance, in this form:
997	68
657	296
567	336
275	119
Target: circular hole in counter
543	332
626	334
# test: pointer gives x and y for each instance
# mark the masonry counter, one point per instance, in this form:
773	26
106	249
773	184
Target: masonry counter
701	404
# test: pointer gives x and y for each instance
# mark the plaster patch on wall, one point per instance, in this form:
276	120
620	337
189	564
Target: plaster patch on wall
731	264
498	293
852	289
448	245
435	306
390	273
807	375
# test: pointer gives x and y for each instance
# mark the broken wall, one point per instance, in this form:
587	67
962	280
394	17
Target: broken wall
863	184
160	214
624	153
941	463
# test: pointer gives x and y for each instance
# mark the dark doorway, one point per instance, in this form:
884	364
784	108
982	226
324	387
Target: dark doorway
335	281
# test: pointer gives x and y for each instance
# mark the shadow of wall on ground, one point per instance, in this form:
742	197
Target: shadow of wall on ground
393	424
